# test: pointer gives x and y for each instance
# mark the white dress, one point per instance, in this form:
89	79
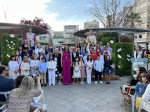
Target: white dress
34	63
89	64
25	68
13	65
76	71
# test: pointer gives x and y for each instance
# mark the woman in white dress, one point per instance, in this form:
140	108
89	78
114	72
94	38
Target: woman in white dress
13	67
25	66
76	71
89	66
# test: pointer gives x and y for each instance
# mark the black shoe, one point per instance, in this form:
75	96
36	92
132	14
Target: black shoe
45	85
107	82
41	85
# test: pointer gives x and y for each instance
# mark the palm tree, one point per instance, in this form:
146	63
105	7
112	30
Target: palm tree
132	19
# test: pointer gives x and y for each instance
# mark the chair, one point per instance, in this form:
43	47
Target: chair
40	97
36	110
37	99
126	92
3	108
6	94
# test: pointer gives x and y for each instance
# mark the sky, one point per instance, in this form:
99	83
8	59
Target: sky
56	13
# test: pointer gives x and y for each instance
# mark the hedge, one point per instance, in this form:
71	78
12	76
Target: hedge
123	65
107	34
9	45
105	40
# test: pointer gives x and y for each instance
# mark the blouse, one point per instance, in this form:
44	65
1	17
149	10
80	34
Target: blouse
21	104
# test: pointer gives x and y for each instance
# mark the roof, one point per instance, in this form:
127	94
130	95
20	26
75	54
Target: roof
23	27
82	33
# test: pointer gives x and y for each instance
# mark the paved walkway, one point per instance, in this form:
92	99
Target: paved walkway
85	98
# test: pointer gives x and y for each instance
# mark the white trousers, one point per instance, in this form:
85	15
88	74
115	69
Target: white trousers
51	76
88	73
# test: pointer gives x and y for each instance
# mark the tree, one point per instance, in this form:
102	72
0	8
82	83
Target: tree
132	19
111	13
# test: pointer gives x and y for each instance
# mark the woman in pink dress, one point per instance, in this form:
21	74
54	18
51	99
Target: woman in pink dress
66	64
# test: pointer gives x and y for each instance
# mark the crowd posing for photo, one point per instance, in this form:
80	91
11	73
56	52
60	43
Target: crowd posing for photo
61	62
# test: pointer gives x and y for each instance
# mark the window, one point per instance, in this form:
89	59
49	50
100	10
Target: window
140	36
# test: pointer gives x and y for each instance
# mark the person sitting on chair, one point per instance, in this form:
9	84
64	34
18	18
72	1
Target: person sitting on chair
6	84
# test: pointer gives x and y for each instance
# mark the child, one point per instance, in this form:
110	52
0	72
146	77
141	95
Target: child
13	67
140	89
76	70
107	68
18	57
89	66
98	66
34	64
43	69
82	69
25	66
51	65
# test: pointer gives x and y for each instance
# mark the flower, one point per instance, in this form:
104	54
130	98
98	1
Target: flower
128	56
12	35
119	56
8	55
11	41
128	59
119	66
119	50
111	41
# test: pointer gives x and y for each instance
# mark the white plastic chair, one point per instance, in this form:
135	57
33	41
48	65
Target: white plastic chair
37	99
124	93
3	108
40	97
6	94
36	110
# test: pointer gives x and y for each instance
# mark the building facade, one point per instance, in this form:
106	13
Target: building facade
91	24
69	31
58	37
143	8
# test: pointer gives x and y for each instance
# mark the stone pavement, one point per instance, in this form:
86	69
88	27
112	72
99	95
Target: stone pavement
85	98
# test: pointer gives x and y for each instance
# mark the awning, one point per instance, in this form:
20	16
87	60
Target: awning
82	33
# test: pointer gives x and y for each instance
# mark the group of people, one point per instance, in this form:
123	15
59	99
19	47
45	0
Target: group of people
80	62
141	81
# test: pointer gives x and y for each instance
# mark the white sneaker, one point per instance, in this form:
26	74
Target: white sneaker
95	82
59	82
101	82
82	82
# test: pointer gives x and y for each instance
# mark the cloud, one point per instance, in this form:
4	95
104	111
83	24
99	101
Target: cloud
12	11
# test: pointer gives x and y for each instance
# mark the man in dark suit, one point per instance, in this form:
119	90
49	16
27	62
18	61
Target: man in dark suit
57	58
6	84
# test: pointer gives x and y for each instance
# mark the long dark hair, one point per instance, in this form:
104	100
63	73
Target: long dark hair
12	57
76	61
88	58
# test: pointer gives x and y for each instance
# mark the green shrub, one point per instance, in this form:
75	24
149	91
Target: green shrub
107	34
8	47
122	65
